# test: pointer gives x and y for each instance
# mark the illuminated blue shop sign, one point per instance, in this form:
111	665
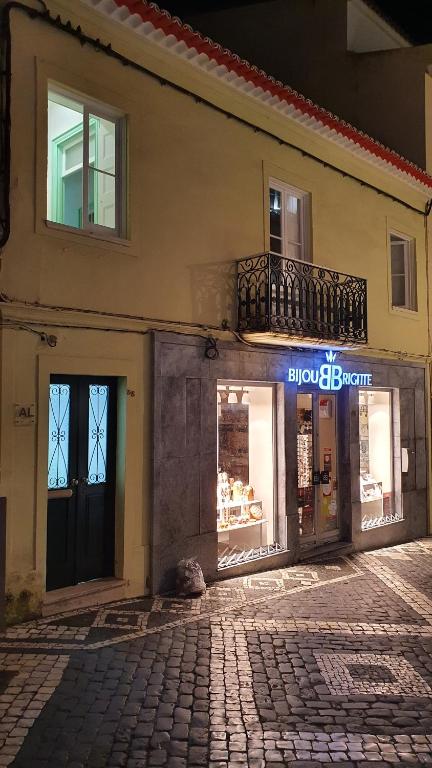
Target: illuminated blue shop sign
328	376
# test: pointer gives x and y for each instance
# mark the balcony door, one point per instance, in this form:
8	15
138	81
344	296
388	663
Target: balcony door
317	462
289	210
81	479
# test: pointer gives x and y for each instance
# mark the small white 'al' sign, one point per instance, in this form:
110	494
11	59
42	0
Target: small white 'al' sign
24	413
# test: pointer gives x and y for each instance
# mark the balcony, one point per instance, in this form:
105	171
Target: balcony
286	301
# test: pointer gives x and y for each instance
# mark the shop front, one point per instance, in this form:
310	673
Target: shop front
265	456
246	486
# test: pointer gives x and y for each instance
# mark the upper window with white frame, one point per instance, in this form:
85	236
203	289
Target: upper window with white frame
289	221
403	272
85	164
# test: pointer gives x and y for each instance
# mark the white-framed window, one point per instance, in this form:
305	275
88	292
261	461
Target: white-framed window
289	221
85	182
403	272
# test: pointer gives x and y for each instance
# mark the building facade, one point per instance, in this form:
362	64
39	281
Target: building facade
215	316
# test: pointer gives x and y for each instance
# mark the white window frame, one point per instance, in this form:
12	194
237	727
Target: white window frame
304	197
409	274
96	109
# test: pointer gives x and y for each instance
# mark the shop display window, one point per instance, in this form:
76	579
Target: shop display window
376	459
246	474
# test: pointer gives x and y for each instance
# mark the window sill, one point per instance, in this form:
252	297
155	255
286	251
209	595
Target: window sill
87	234
380	524
411	314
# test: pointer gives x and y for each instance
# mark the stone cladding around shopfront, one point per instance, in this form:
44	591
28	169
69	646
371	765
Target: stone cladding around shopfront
185	449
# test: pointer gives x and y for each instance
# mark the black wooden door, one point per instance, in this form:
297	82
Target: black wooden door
81	479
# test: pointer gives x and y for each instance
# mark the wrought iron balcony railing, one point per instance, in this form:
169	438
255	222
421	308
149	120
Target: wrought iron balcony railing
298	299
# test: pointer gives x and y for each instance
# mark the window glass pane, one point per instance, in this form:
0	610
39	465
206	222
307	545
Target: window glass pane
292	204
92	143
293	218
376	458
102	192
404	274
328	444
399	298
246	474
275	213
105	144
97	433
398	258
294	251
72	199
58	435
65	155
305	465
276	245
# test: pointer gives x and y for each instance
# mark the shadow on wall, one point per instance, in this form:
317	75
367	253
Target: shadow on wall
214	293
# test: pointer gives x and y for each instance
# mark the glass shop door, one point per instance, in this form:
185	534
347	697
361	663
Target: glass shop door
317	491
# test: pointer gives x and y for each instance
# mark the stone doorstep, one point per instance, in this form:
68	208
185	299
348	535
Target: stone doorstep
323	551
85	595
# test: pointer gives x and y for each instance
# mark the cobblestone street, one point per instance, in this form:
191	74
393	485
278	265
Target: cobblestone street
307	666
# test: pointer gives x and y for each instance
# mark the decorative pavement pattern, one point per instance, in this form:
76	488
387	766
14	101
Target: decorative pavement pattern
305	666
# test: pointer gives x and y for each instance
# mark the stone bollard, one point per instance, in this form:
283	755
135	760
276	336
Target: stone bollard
190	579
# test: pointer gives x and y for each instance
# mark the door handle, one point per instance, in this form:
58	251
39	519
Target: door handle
74	482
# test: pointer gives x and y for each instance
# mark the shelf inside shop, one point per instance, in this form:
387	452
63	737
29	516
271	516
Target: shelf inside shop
231	504
241	525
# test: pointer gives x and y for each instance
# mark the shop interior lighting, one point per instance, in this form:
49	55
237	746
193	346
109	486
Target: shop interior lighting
232	394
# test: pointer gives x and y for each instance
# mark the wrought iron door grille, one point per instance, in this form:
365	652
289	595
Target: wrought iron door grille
296	298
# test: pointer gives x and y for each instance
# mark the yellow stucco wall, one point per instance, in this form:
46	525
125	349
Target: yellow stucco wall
197	201
27	369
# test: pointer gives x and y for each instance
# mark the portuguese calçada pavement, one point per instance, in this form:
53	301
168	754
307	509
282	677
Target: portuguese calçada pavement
312	665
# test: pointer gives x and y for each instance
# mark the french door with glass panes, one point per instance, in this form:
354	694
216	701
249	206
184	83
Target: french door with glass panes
81	479
317	491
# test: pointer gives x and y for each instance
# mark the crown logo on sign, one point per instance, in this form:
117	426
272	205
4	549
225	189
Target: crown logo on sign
330	356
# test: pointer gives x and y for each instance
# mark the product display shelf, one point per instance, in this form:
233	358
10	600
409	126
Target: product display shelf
241	525
240	503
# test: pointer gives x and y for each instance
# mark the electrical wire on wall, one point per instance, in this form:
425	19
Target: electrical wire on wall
45	16
205	332
18	325
107	49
